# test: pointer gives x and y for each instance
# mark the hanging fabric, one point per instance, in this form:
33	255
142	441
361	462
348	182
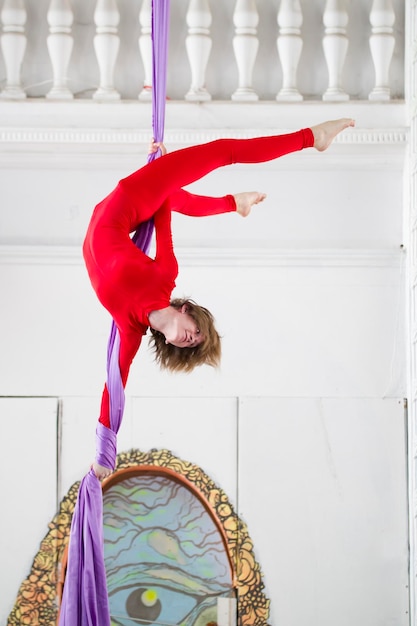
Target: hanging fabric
85	599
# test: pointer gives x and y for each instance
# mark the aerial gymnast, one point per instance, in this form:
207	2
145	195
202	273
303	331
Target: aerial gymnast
135	288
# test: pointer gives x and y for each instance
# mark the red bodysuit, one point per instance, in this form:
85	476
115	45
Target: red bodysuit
127	282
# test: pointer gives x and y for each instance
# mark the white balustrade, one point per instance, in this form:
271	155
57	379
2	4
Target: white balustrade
290	45
381	42
145	47
13	45
335	45
60	43
266	27
245	46
106	45
198	46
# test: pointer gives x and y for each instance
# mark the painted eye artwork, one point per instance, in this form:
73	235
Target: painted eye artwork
165	558
176	553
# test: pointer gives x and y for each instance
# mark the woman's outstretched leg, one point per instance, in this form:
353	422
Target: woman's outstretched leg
323	135
159	179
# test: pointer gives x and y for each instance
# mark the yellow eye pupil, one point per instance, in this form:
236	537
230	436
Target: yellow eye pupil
149	597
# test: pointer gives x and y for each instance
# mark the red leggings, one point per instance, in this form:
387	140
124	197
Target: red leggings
150	186
140	196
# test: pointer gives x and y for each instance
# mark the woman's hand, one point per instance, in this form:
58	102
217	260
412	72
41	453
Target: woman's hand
100	471
154	145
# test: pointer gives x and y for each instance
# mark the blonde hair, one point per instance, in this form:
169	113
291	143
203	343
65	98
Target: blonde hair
176	359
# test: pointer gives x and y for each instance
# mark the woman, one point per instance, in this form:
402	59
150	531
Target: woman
136	289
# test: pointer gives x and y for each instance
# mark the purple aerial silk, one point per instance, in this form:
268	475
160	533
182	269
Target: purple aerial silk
85	599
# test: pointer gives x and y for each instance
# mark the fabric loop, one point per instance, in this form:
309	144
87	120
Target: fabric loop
106	448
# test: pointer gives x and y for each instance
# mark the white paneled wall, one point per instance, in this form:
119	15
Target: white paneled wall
319	482
28	484
327	501
332	332
303	425
297	331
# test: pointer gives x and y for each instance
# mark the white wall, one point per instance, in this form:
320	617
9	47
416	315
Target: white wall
303	426
28	469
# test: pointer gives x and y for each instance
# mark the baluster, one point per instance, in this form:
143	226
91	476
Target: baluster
289	44
60	43
335	45
106	45
145	47
13	45
198	45
382	43
245	45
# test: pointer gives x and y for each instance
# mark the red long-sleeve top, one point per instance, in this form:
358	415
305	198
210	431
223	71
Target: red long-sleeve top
129	283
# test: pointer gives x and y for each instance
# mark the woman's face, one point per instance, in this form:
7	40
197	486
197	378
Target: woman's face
185	334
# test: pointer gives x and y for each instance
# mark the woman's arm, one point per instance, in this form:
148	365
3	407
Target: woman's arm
129	345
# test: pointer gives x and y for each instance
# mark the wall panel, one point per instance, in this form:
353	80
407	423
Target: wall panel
326	325
28	482
322	485
202	430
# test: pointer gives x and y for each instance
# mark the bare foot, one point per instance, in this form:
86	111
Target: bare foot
246	200
325	133
100	471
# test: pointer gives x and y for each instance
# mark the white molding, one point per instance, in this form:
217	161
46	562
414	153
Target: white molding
272	257
125	157
134	116
92	149
42	134
61	136
221	257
